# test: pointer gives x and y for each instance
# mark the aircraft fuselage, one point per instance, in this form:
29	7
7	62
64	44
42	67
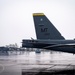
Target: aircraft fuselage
56	45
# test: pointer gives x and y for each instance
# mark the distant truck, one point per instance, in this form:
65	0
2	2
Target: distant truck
4	49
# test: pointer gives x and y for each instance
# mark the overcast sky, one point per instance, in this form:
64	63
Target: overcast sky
16	20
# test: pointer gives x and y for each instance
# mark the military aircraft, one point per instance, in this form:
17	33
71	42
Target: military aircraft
48	37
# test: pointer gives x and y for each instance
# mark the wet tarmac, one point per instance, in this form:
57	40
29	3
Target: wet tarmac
31	63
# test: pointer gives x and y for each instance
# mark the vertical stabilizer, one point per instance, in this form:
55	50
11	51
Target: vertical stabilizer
44	28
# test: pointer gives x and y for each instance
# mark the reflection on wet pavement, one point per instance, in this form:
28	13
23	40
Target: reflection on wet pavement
21	62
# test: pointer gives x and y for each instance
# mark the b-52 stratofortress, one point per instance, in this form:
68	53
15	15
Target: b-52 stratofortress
48	37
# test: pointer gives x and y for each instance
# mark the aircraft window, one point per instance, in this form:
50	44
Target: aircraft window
32	41
29	40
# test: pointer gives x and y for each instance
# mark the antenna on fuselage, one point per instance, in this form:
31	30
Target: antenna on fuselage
32	38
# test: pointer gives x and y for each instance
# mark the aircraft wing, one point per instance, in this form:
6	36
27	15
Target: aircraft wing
61	45
54	45
70	48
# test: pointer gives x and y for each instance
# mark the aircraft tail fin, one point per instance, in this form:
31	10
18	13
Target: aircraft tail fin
44	28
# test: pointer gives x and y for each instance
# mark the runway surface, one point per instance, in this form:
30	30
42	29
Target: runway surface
31	63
